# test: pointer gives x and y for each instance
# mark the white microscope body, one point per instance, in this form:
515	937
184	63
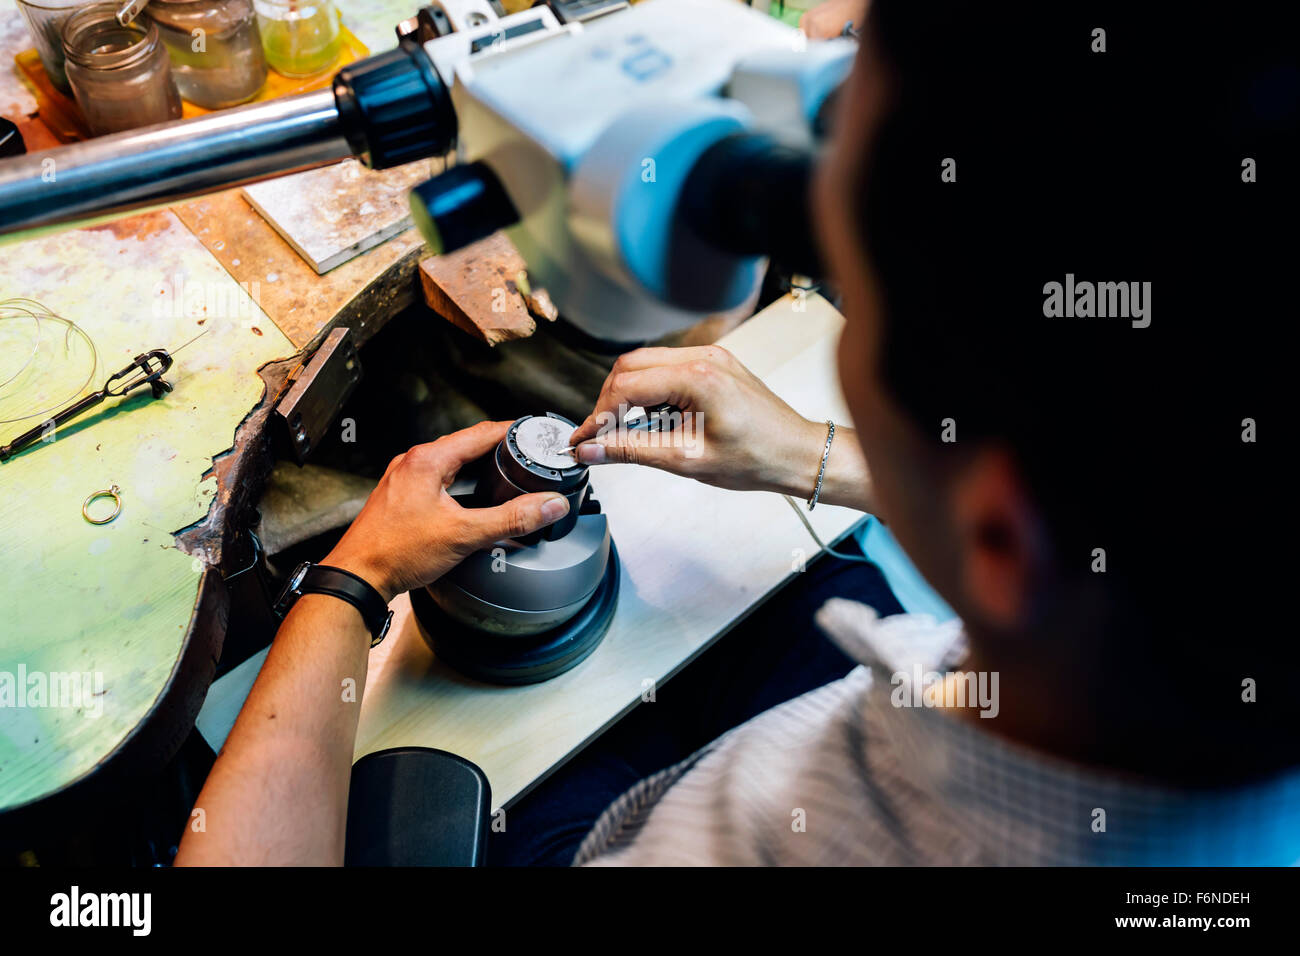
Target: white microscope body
593	128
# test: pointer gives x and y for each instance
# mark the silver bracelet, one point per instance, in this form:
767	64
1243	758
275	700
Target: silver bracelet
821	472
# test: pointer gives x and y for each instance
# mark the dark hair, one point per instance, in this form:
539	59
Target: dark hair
1117	166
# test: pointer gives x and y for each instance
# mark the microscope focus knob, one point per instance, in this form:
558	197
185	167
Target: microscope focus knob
394	108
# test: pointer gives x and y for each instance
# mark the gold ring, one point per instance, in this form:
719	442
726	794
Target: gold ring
113	492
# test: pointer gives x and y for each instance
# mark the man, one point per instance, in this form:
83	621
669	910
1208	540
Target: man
1057	283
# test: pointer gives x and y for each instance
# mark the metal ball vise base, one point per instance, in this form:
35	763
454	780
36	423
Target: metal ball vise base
536	606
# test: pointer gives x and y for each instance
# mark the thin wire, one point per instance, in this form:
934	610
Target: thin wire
20	305
820	543
33	309
36	344
189	341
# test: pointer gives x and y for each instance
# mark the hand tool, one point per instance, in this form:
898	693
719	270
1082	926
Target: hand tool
657	418
129	10
147	368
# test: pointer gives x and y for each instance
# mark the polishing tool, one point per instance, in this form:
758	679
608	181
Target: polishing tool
531	607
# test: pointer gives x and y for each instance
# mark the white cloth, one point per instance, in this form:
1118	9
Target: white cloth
842	776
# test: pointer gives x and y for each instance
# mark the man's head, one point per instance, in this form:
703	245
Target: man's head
1075	484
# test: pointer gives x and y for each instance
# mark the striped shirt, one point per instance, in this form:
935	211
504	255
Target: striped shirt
842	776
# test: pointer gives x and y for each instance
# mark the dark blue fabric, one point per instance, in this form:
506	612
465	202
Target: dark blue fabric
771	657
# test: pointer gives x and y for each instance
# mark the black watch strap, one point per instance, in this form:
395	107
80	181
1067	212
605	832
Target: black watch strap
310	578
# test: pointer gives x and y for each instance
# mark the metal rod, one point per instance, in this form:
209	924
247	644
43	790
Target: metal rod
170	161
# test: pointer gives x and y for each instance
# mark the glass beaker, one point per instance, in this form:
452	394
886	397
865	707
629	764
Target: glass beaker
120	76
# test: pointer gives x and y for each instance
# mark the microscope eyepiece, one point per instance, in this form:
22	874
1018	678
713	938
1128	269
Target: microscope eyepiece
461	205
750	195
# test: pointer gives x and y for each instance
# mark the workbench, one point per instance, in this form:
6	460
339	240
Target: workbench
140	605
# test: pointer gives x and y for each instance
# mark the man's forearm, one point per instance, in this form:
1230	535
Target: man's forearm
278	791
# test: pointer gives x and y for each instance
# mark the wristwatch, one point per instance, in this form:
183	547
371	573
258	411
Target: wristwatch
308	578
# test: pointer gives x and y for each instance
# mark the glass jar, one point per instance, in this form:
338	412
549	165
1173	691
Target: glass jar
300	37
215	48
119	75
45	20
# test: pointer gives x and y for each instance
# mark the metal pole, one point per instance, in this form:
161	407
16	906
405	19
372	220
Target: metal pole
170	161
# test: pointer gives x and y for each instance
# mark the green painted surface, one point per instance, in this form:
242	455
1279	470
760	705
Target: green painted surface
113	601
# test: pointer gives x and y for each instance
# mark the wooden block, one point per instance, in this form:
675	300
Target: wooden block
478	289
362	294
333	214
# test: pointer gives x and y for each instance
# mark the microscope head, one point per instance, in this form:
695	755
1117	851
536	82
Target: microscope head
644	163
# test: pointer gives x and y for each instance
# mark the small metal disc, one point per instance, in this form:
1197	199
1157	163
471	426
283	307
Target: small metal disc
543	440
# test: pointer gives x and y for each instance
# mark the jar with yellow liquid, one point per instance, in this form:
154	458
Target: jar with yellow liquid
299	37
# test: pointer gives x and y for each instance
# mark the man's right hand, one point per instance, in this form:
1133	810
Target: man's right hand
735	432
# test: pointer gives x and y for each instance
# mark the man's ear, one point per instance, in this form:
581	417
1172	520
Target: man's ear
999	533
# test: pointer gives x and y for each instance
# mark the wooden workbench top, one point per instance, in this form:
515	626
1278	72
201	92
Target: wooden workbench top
117	602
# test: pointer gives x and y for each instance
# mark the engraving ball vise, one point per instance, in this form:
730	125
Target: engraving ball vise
531	607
